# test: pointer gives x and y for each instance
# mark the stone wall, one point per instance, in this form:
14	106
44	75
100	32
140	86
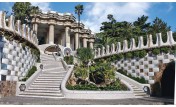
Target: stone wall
149	67
7	88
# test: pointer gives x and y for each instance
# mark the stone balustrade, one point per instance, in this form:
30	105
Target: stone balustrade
17	29
107	51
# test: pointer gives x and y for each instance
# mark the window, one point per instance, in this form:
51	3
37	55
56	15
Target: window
141	70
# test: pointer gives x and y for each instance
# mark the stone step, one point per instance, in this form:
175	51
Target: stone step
49	79
44	91
42	94
55	73
45	77
39	96
52	75
138	91
45	86
46	83
140	94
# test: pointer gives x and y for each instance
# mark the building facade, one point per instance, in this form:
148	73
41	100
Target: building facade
62	29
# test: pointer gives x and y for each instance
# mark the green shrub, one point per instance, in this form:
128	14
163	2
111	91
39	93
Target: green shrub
156	51
140	80
129	55
136	53
165	49
30	73
68	59
85	54
82	87
119	56
142	53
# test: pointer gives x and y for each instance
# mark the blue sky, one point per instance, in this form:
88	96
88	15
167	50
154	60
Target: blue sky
96	12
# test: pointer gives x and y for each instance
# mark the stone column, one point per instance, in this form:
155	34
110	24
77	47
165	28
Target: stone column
85	42
35	28
73	43
76	41
91	45
67	35
51	34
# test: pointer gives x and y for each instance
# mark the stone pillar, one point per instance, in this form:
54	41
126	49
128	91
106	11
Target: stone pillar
67	35
51	34
99	51
35	28
85	42
72	43
76	41
91	45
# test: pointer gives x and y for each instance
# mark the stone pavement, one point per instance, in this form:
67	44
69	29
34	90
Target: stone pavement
61	101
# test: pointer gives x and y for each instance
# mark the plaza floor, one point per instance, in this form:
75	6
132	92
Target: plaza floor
43	101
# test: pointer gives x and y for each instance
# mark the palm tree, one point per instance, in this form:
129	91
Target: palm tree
79	10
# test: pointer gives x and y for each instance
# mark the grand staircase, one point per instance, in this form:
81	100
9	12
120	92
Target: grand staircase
47	84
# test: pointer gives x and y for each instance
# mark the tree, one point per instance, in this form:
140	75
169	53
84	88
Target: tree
79	10
85	54
108	28
159	26
22	11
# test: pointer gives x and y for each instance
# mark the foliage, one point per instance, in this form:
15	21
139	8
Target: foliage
81	72
136	53
156	51
68	59
128	55
85	54
30	73
140	80
22	11
114	31
119	56
82	87
165	49
117	85
142	53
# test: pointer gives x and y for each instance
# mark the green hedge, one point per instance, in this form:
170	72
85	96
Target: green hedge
30	73
68	59
140	80
111	87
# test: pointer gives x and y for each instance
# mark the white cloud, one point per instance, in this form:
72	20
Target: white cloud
44	6
96	13
170	7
